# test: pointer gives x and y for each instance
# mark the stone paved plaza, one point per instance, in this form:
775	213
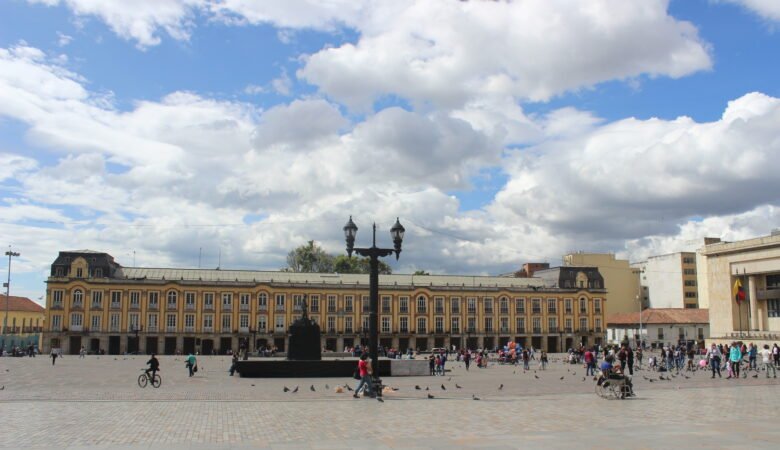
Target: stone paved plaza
96	403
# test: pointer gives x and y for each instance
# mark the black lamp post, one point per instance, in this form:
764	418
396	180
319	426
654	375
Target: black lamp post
136	329
374	253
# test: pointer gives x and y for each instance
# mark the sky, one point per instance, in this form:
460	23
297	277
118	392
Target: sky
205	133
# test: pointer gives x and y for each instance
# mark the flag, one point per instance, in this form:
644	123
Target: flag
738	292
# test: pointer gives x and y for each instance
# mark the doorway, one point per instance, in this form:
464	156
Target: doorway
403	344
151	345
330	344
438	342
94	346
536	342
114	345
189	345
349	342
75	345
225	344
132	344
455	341
207	346
552	344
170	345
279	344
489	343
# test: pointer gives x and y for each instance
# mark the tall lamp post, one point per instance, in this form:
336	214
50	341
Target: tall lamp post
639	338
7	286
374	253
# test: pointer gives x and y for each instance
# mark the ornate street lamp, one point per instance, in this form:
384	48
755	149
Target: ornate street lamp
374	253
7	286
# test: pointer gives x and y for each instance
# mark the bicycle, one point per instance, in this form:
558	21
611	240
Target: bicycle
145	378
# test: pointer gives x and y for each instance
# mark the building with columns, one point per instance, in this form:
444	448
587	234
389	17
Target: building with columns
756	263
95	302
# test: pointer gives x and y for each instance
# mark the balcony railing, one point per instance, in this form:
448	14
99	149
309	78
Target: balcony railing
135	306
243	329
537	311
116	306
151	328
520	311
521	331
208	306
403	310
243	308
439	311
386	311
456	331
279	308
439	331
504	311
262	308
170	306
567	330
95	306
583	310
227	308
422	310
77	306
488	329
456	310
504	330
170	329
552	329
189	329
208	329
348	330
189	306
488	310
56	305
537	330
471	330
154	306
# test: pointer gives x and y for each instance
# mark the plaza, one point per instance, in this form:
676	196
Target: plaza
95	402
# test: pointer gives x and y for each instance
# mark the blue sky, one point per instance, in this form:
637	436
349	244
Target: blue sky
248	128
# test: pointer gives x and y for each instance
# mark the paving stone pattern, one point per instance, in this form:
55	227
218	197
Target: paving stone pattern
96	403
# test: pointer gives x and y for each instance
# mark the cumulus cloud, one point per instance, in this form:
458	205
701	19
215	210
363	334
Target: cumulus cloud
767	9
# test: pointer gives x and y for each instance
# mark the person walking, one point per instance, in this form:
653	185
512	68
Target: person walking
752	354
735	357
590	363
53	356
766	358
192	364
467	359
431	365
543	360
526	359
638	355
365	372
713	357
82	352
233	365
776	355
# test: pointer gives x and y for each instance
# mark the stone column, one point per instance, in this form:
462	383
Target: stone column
753	303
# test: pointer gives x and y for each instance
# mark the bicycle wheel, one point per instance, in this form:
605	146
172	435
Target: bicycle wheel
142	380
157	381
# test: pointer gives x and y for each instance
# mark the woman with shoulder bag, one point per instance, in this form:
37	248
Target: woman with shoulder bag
365	372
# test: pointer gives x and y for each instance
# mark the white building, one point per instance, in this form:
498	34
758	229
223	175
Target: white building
669	281
659	326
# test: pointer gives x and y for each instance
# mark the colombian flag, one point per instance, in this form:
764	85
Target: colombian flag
738	292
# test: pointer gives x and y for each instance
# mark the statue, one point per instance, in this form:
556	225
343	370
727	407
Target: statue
305	337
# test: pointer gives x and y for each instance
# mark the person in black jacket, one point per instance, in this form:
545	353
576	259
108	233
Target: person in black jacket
154	366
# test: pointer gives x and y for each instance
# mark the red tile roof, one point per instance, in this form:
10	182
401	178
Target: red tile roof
20	304
661	316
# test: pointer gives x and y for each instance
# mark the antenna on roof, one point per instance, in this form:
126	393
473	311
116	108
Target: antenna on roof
200	255
219	261
133	258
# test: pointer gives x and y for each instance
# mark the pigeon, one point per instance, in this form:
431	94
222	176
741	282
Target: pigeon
427	388
349	389
513	372
417	387
312	388
431	396
456	385
443	388
536	376
754	376
379	399
651	380
327	387
687	377
286	389
3	388
295	390
595	378
574	374
583	378
662	378
501	387
253	385
474	397
449	379
395	389
562	378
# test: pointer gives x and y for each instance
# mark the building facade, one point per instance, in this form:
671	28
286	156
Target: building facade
24	325
94	302
756	264
669	281
620	278
660	326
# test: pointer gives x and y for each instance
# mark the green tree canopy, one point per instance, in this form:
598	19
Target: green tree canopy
312	258
420	272
345	264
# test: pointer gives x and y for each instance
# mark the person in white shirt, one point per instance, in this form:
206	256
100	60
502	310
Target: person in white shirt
766	356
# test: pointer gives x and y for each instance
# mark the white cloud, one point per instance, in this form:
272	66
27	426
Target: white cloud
767	9
63	39
531	50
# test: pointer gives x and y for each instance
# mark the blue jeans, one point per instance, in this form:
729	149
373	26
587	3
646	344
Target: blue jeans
591	369
365	381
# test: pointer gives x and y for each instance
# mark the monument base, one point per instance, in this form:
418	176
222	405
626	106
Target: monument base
326	368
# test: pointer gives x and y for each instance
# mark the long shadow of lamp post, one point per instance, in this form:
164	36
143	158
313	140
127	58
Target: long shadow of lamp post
374	253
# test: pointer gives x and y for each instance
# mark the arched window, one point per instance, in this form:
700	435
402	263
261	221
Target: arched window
422	304
172	295
78	297
262	301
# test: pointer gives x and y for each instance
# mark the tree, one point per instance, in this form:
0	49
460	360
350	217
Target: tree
309	258
420	272
345	264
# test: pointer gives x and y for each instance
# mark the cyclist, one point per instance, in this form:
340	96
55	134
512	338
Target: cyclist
154	366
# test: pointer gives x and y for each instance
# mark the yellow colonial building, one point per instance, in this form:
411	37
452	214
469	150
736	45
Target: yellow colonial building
94	302
24	324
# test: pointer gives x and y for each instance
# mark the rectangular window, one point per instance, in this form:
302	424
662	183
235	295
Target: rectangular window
227	301
56	322
598	325
519	306
689	271
504	306
331	324
297	303
487	305
280	299
331	303
455	325
552	305
688	260
690	295
366	303
536	306
471	325
537	325
421	325
471	304
135	299
56	299
133	322
227	323
262	301
583	305
314	303
660	333
154	300
552	325
151	322
348	304
95	325
438	305
583	324
597	305
403	305
773	307
279	324
701	333
567	325
170	322
208	322
208	301
97	299
189	322
116	299
114	321
520	324
505	324
403	324
690	282
385	324
386	301
243	303
422	305
365	323
439	324
243	322
488	324
567	306
189	301
681	332
262	324
455	305
76	321
348	325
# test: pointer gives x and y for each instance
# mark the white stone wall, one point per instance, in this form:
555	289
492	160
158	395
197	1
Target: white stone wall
663	278
650	333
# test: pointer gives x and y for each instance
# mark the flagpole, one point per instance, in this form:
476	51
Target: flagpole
749	310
